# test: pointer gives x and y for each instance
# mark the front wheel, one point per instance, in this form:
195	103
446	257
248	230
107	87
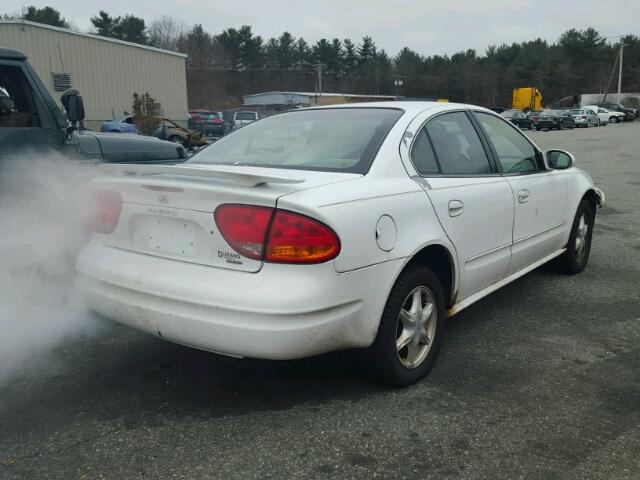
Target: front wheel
575	259
411	329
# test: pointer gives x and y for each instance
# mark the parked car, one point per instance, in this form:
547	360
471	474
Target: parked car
519	118
31	120
603	120
208	123
585	117
612	115
124	125
175	133
178	134
534	115
352	226
554	119
244	118
630	113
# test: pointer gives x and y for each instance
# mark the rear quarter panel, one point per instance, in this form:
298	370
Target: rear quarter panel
352	209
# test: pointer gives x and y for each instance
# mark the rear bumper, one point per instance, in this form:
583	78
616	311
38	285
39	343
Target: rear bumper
281	312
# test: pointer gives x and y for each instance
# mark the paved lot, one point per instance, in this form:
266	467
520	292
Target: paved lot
541	380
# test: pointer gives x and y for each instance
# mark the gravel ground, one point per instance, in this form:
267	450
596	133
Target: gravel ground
540	380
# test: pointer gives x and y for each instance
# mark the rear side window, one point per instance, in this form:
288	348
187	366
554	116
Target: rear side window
515	153
457	146
424	160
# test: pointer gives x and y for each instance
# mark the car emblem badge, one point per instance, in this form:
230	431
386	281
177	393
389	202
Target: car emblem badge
163	199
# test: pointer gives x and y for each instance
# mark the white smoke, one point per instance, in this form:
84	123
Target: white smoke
42	230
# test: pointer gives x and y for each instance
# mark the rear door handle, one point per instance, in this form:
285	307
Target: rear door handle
456	207
523	196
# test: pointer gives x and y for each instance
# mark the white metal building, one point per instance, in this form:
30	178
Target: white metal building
288	99
106	71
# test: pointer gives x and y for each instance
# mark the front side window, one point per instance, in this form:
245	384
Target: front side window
515	154
17	105
457	146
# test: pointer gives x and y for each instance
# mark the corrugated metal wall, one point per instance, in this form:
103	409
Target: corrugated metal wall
105	72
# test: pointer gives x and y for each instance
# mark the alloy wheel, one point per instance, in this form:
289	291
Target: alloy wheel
416	328
581	236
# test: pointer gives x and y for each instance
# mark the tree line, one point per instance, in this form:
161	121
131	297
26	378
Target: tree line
224	66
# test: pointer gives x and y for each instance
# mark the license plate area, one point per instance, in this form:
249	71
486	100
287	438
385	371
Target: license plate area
171	236
176	234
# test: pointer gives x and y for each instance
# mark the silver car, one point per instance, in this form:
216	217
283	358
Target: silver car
585	117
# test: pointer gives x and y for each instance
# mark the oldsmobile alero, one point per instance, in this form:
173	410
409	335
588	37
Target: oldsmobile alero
355	226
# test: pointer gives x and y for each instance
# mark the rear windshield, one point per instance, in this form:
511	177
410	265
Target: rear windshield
334	140
245	116
202	114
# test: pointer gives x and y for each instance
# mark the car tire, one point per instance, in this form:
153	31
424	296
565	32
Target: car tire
613	119
114	131
417	289
538	129
575	259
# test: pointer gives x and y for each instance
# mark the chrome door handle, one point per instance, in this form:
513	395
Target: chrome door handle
456	207
523	196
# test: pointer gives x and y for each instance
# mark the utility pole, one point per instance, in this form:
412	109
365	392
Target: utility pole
620	66
398	82
319	67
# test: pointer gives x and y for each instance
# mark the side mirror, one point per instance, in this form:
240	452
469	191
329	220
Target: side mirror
559	159
73	105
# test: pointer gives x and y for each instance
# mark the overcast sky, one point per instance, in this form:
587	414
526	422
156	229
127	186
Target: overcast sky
429	27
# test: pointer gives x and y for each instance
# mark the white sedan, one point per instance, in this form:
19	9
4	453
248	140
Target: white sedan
610	116
355	226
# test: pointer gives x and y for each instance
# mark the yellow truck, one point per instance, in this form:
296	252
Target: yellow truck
526	98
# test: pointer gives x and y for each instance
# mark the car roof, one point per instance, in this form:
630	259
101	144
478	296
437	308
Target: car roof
10	54
410	107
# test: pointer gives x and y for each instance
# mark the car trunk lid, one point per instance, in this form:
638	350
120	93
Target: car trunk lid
168	211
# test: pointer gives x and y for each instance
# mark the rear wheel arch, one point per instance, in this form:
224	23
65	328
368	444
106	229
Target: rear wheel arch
440	260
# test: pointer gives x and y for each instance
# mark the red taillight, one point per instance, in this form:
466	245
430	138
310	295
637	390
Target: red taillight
217	120
584	117
244	227
106	208
289	237
294	238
